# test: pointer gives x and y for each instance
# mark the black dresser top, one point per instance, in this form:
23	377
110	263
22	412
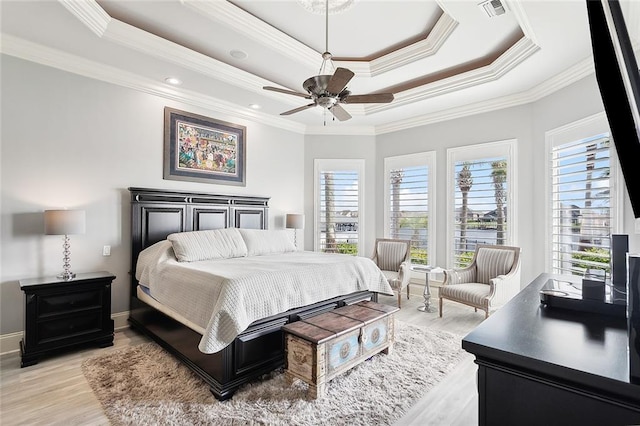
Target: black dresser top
590	349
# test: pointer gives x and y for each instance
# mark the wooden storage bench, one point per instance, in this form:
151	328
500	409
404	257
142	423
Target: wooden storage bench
319	348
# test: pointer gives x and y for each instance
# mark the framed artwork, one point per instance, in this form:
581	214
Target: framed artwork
201	149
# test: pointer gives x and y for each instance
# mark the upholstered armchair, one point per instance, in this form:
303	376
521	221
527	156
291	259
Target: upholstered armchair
393	257
490	281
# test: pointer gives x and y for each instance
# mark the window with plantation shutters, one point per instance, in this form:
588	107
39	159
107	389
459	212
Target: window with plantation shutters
338	205
582	207
409	185
481	198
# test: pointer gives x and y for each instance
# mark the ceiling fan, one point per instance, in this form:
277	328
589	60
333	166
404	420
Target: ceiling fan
328	89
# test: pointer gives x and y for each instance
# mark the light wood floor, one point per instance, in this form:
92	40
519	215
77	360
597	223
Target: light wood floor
55	392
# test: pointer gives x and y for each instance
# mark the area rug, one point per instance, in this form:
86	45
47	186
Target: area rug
145	385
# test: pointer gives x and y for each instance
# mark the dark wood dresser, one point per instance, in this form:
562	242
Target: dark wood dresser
547	366
61	314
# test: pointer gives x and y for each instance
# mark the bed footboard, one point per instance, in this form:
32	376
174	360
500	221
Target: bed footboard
256	351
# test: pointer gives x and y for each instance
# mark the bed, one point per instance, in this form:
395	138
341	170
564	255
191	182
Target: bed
254	345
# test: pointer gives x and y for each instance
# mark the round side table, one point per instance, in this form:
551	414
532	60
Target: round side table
427	289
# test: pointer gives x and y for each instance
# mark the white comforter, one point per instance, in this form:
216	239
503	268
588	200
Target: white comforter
224	296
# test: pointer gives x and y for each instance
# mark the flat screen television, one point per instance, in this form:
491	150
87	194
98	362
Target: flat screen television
619	82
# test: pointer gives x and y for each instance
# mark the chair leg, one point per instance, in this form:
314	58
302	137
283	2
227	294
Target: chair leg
399	298
486	314
407	291
440	303
475	309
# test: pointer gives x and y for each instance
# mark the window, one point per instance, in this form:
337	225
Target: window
481	205
338	205
583	201
409	185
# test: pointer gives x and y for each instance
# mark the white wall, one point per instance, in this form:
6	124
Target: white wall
338	147
512	123
527	124
70	141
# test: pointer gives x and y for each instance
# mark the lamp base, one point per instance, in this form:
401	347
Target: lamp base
66	275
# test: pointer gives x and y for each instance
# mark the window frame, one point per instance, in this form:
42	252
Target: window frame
320	165
579	130
427	159
504	148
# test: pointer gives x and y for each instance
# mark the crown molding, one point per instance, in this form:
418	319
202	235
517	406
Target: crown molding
419	50
577	72
33	52
150	44
89	13
515	55
342	131
521	17
227	14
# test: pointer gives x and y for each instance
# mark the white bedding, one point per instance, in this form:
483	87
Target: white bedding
224	296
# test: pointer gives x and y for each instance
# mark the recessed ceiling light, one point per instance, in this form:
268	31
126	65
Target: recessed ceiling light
173	80
254	106
238	54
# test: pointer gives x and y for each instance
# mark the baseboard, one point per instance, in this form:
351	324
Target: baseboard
10	342
120	320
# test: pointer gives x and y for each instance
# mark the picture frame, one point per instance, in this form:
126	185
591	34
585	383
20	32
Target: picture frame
203	149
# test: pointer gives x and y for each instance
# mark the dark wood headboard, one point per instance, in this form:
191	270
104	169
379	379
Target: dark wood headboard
156	213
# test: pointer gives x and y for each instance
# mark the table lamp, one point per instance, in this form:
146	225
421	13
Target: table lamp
295	222
64	222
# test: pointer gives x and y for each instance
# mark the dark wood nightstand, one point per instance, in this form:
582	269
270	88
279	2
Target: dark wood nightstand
61	314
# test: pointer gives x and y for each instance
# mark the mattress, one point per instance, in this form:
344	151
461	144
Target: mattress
224	296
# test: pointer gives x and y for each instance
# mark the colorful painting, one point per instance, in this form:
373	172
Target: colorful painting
202	149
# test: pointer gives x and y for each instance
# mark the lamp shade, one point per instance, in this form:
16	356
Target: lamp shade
295	221
64	222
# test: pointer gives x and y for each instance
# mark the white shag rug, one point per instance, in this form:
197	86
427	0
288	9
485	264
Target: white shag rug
144	385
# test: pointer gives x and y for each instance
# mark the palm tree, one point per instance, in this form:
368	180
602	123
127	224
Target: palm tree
465	182
499	175
396	179
331	245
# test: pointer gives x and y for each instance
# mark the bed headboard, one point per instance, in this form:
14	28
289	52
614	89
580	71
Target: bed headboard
156	213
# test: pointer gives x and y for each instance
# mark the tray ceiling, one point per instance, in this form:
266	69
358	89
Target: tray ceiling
441	59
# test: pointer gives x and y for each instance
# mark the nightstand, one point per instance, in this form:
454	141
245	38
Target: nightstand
61	314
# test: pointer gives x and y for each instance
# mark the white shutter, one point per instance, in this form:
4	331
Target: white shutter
581	205
408	209
339	201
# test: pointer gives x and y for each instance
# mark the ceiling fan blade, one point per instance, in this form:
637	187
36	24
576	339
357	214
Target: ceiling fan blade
340	113
339	80
293	111
374	98
288	92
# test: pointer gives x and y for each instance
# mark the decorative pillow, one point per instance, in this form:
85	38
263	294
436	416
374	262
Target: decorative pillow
263	241
211	244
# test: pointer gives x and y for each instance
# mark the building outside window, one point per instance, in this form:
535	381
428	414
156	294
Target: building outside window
481	199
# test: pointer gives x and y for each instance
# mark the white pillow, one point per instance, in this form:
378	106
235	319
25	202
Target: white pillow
263	241
211	244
